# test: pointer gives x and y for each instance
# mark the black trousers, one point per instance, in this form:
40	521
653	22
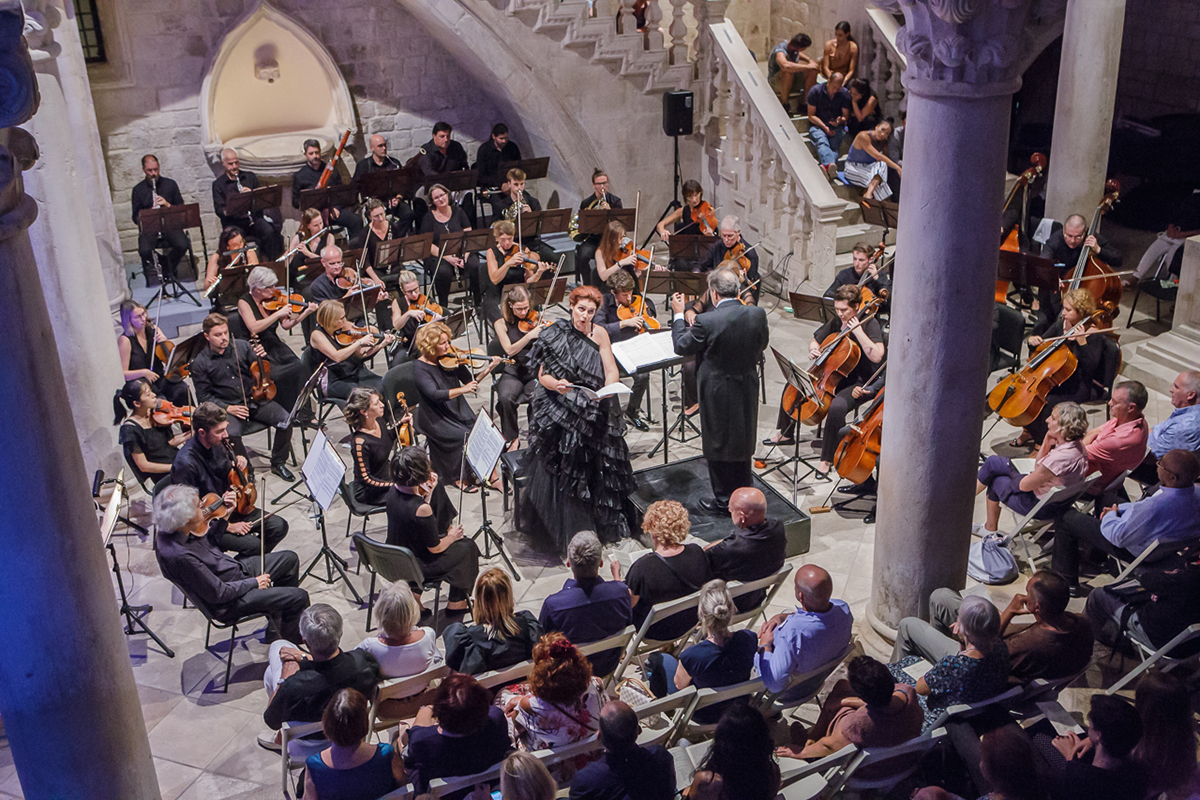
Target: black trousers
444	276
584	253
729	476
283	603
641	384
248	545
688	391
510	394
1073	529
263	231
364	378
842	404
174	391
177	247
270	414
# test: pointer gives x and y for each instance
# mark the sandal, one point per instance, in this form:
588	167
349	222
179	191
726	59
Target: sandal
1017	442
467	488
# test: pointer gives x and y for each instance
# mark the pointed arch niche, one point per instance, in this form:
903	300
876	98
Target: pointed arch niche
271	86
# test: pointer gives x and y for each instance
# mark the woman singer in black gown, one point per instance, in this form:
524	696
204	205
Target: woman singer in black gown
419	515
579	472
445	418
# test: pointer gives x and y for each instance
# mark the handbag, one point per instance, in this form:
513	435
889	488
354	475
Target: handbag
990	561
637	694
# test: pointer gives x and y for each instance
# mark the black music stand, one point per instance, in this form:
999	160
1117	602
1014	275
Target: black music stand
689	247
329	198
156	221
593	221
670	281
402	251
534	168
801	381
314	474
812	307
464	180
536	223
483	447
231	281
1027	270
385	184
248	203
542	295
883	213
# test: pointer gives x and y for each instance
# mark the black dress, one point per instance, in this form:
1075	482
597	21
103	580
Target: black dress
445	271
515	385
153	442
287	371
174	390
458	564
346	375
445	422
494	291
372	472
579	473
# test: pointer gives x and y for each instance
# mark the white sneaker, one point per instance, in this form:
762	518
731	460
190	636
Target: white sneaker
267	740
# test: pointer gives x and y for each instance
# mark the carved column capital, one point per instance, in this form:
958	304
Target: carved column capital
41	18
964	48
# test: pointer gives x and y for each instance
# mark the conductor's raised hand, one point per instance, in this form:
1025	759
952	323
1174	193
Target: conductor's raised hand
677	303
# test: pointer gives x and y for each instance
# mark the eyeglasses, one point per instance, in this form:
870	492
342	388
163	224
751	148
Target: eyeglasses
1164	469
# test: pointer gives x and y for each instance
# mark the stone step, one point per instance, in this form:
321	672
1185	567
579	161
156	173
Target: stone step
851	214
849	235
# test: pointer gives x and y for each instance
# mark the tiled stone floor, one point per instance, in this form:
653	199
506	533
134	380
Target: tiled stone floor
203	741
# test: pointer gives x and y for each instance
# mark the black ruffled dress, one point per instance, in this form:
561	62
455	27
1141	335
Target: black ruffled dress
578	462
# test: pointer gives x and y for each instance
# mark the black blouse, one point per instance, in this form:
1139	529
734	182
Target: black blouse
139	357
419	534
515	274
372	473
520	368
278	352
153	442
458	222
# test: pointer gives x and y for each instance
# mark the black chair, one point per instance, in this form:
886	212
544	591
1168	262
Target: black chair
494	348
325	405
210	616
1110	366
1008	331
394	563
356	508
513	476
1153	285
400	379
144	480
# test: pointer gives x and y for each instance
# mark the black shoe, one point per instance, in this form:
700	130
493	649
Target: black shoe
1076	590
779	443
715	507
638	423
282	471
866	487
869	519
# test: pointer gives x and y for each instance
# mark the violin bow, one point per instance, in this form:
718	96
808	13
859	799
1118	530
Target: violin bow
152	341
262	530
550	288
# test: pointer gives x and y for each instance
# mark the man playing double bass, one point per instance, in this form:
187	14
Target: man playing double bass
1063	248
728	342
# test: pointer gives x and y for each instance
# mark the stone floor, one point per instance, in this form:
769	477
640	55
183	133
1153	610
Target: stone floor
203	740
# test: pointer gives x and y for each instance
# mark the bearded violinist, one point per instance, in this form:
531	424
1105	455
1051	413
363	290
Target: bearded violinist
516	330
204	462
600	198
506	265
221	375
732	247
868	336
621	294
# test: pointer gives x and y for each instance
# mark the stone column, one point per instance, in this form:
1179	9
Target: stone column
1083	111
68	249
960	79
66	685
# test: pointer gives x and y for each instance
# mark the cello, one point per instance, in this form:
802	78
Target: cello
1012	242
838	357
858	451
1090	272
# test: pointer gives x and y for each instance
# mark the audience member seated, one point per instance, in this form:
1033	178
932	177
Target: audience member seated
1180	431
722	658
626	771
500	638
1058	644
741	762
800	641
968	672
1098	766
866	708
523	777
299	684
561	702
151	447
1008	765
673	570
462	733
867	162
785	62
828	107
1171	515
1120	443
419	514
401	648
231	588
1061	461
755	550
1167	750
351	768
588	608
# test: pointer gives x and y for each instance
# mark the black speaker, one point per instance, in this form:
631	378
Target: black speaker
677	113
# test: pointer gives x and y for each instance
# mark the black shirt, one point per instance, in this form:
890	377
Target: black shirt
848	277
142	197
302	697
607	318
865	367
643	773
501	203
200	566
223	379
1057	251
368	165
1174	605
223	188
658	579
473	650
153	442
205	469
308	178
458	222
489	159
372	472
716	254
431	161
748	555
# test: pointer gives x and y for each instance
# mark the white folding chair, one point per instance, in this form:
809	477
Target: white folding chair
1137	562
771	583
771	703
1163	654
439	787
641	644
291	732
1028	527
705	698
616	641
672	711
821	779
494	679
903	759
960	711
401	688
1106	496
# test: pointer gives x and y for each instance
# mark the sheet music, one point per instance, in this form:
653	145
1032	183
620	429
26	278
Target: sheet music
113	509
607	391
1060	718
917	671
485	444
323	471
644	350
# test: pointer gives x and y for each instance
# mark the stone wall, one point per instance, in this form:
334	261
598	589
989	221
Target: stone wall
147	98
1160	58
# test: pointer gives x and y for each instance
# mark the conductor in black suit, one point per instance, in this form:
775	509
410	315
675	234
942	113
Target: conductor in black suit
728	342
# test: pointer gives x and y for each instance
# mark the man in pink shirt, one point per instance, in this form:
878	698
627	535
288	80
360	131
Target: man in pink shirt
1120	443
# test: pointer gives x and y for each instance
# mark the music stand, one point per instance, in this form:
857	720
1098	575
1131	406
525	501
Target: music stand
671	281
645	353
254	201
329	198
1025	270
464	180
801	381
323	472
133	614
536	223
689	247
456	322
883	213
593	221
385	184
812	307
534	168
482	451
402	251
230	281
157	221
302	399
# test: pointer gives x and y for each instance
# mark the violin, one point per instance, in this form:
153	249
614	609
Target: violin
1021	396
644	257
162	353
529	258
738	253
637	308
403	431
260	372
348	279
278	300
168	413
243	487
432	310
1012	242
530	321
707	217
460	358
349	334
212	506
1090	272
858	451
838	357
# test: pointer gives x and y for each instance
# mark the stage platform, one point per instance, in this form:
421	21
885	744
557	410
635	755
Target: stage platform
687	481
175	313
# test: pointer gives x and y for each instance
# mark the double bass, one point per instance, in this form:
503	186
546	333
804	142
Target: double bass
838	357
1094	275
1012	242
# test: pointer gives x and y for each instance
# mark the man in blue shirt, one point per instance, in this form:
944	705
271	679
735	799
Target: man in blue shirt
800	641
785	62
589	608
1180	431
828	107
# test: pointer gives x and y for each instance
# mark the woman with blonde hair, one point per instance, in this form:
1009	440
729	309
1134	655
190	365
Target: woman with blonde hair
523	777
445	417
347	363
500	638
506	267
311	223
673	570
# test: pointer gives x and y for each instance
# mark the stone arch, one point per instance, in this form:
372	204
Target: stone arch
270	63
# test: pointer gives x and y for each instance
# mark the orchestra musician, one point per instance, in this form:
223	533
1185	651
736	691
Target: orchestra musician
403	212
325	287
609	258
518	380
861	264
621	293
263	324
204	462
149	446
441	154
445	418
157	192
1063	248
380	228
221	374
585	251
231	247
406	317
506	266
309	177
499	149
506	205
135	350
371	443
728	342
256	225
868	335
693	218
311	223
448	217
731	240
347	363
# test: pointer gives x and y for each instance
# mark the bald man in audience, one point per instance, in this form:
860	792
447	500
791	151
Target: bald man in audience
754	550
626	771
797	642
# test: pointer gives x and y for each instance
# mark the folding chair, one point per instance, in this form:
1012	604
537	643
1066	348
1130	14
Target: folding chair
1028	527
1137	562
770	701
772	583
356	508
710	697
400	689
393	563
1040	690
1107	495
496	678
616	641
641	645
903	759
961	711
671	710
821	779
1152	657
291	732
